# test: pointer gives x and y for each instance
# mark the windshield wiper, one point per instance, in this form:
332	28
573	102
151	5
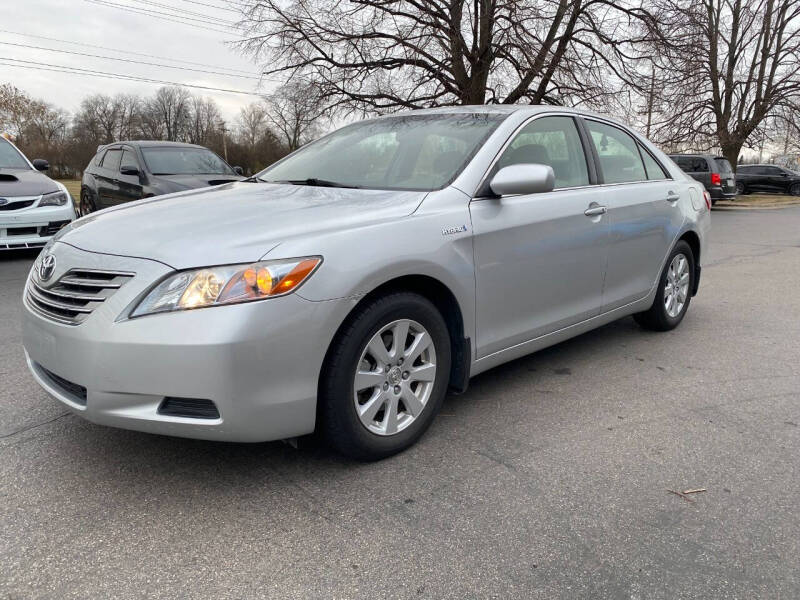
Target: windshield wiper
313	181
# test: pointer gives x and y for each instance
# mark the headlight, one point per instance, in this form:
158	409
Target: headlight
54	199
215	286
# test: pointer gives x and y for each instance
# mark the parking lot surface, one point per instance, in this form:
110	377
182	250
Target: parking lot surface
547	479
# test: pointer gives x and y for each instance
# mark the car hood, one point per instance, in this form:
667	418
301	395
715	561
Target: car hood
238	222
25	182
190	182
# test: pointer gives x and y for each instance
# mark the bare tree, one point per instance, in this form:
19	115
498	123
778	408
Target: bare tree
128	108
251	124
387	54
168	113
14	108
728	66
204	120
296	113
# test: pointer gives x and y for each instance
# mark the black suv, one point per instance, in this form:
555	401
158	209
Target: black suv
714	172
125	171
767	178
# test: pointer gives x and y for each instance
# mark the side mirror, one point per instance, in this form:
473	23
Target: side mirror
239	170
129	171
523	179
40	164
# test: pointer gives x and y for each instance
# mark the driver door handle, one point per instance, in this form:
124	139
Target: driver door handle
595	210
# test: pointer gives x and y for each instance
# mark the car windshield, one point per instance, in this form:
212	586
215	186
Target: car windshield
412	152
176	160
10	158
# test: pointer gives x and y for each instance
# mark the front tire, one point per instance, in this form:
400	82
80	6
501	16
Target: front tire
86	205
674	291
385	376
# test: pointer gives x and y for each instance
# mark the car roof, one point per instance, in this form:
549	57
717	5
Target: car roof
148	144
507	110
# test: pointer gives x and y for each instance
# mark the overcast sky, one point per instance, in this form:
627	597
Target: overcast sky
119	28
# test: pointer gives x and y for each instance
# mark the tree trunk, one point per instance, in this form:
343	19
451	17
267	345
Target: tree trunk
731	151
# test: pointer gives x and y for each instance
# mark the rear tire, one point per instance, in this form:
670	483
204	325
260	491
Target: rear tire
402	383
741	190
794	189
674	291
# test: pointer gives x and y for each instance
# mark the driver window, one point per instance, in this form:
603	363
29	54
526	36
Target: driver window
128	160
552	141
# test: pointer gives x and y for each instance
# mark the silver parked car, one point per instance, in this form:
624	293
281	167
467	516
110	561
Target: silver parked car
349	286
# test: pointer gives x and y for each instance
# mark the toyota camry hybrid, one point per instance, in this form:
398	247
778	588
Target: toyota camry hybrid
346	288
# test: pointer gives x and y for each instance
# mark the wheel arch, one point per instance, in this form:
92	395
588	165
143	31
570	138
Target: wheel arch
445	302
691	238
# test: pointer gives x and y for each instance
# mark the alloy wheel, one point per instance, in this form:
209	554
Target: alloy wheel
795	189
676	290
739	188
395	377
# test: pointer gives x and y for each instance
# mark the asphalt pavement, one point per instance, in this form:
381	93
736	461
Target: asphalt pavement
547	479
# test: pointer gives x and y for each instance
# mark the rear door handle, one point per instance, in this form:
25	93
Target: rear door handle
595	210
673	197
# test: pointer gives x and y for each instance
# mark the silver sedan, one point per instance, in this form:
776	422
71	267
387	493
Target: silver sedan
346	288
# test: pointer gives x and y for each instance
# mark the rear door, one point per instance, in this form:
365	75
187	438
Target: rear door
539	258
643	209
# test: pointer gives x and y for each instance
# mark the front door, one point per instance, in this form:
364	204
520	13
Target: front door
539	259
129	187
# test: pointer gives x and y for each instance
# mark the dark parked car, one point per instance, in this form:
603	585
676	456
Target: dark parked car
714	172
125	171
767	178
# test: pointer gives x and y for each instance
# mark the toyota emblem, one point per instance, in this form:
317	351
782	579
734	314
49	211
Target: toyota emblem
47	267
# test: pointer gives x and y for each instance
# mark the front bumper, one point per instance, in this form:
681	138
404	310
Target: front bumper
258	362
33	227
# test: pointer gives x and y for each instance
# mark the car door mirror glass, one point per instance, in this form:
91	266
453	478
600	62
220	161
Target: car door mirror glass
238	170
40	164
526	178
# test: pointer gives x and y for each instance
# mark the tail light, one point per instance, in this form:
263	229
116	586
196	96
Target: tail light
707	197
716	179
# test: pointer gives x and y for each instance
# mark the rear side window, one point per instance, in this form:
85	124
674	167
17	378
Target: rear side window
745	169
651	165
111	159
691	164
723	165
618	152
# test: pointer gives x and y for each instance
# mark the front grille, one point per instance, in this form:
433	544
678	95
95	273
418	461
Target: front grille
75	295
11	231
77	392
192	408
17	205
